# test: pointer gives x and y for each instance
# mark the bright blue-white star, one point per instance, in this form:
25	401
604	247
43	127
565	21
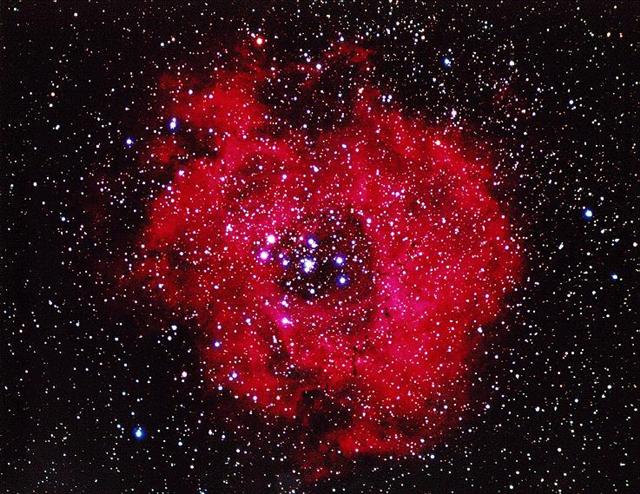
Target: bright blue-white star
587	213
308	265
139	433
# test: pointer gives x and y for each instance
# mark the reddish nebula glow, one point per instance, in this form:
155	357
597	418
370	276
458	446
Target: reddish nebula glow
338	278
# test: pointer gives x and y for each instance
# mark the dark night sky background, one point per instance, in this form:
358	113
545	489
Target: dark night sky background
80	369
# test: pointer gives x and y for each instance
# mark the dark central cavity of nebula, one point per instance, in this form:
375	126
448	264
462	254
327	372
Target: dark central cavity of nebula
338	276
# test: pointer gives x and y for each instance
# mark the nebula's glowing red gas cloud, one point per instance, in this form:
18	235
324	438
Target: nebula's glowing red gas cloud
338	277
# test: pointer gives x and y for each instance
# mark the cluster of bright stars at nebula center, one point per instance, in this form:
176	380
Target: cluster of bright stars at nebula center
308	259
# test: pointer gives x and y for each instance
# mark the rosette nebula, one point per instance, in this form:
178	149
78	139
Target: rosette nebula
339	275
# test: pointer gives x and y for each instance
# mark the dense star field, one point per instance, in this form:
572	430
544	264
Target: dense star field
320	248
339	277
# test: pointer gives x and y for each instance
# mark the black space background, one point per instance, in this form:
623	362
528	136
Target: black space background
75	364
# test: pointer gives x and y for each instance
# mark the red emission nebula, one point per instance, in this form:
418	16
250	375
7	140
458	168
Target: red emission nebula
338	278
